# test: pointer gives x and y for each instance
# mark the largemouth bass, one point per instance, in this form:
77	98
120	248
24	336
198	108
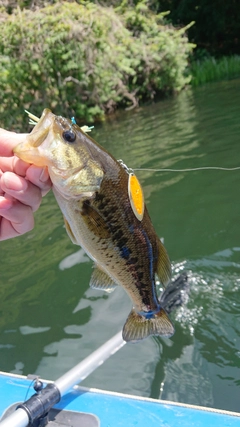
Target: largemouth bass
104	212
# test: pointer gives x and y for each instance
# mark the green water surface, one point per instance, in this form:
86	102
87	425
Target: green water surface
50	319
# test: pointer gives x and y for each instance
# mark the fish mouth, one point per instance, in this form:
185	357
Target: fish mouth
29	149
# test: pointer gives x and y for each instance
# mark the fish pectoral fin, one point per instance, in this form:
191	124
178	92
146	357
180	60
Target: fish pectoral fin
69	231
163	265
95	222
100	280
138	327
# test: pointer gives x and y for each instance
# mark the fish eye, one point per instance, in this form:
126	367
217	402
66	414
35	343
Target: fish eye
69	135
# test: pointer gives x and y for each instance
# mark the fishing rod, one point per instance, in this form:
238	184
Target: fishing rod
37	407
34	411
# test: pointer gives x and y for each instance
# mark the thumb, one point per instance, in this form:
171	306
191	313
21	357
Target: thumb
9	140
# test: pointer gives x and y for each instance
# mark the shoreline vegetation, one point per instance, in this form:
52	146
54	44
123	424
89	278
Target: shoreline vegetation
213	69
85	60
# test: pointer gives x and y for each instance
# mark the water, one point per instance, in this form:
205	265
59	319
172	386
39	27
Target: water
50	319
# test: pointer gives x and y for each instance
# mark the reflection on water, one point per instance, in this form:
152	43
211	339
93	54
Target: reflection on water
27	330
51	319
76	258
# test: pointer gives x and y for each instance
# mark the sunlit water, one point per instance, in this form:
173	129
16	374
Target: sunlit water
50	319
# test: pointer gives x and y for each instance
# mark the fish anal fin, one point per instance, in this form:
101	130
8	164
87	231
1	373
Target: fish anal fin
138	327
69	231
101	281
163	265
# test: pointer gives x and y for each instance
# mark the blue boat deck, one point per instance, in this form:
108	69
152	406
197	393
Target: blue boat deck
118	410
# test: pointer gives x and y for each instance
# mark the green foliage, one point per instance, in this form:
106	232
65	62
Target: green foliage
85	59
211	69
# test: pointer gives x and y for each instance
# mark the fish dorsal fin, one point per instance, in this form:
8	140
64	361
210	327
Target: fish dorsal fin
69	231
138	327
163	265
100	280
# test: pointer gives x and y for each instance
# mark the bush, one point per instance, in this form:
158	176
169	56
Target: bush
85	59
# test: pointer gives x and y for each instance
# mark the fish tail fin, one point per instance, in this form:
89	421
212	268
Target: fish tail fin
138	327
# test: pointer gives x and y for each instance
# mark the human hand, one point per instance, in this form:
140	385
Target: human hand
21	188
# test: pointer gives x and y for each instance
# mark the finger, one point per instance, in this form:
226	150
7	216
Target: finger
21	189
39	177
13	164
17	219
9	140
5	203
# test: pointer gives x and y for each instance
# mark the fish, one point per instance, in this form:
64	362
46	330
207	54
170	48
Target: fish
103	207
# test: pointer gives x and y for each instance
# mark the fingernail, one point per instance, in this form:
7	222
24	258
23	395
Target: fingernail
44	175
14	182
5	204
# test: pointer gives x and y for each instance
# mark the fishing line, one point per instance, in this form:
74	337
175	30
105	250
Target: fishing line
36	383
188	170
34	119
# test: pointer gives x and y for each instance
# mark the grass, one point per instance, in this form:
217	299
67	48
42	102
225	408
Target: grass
211	69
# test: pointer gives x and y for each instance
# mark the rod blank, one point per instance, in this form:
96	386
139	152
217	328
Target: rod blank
74	376
89	364
19	418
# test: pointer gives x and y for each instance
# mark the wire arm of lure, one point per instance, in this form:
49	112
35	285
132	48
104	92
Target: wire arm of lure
127	169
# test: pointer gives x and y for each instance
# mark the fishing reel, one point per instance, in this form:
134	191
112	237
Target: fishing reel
40	411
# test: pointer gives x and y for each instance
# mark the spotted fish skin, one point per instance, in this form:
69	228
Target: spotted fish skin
91	188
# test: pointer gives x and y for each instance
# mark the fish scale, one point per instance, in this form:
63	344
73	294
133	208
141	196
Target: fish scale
102	204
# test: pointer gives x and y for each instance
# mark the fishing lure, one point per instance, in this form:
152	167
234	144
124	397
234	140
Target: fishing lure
135	192
34	119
